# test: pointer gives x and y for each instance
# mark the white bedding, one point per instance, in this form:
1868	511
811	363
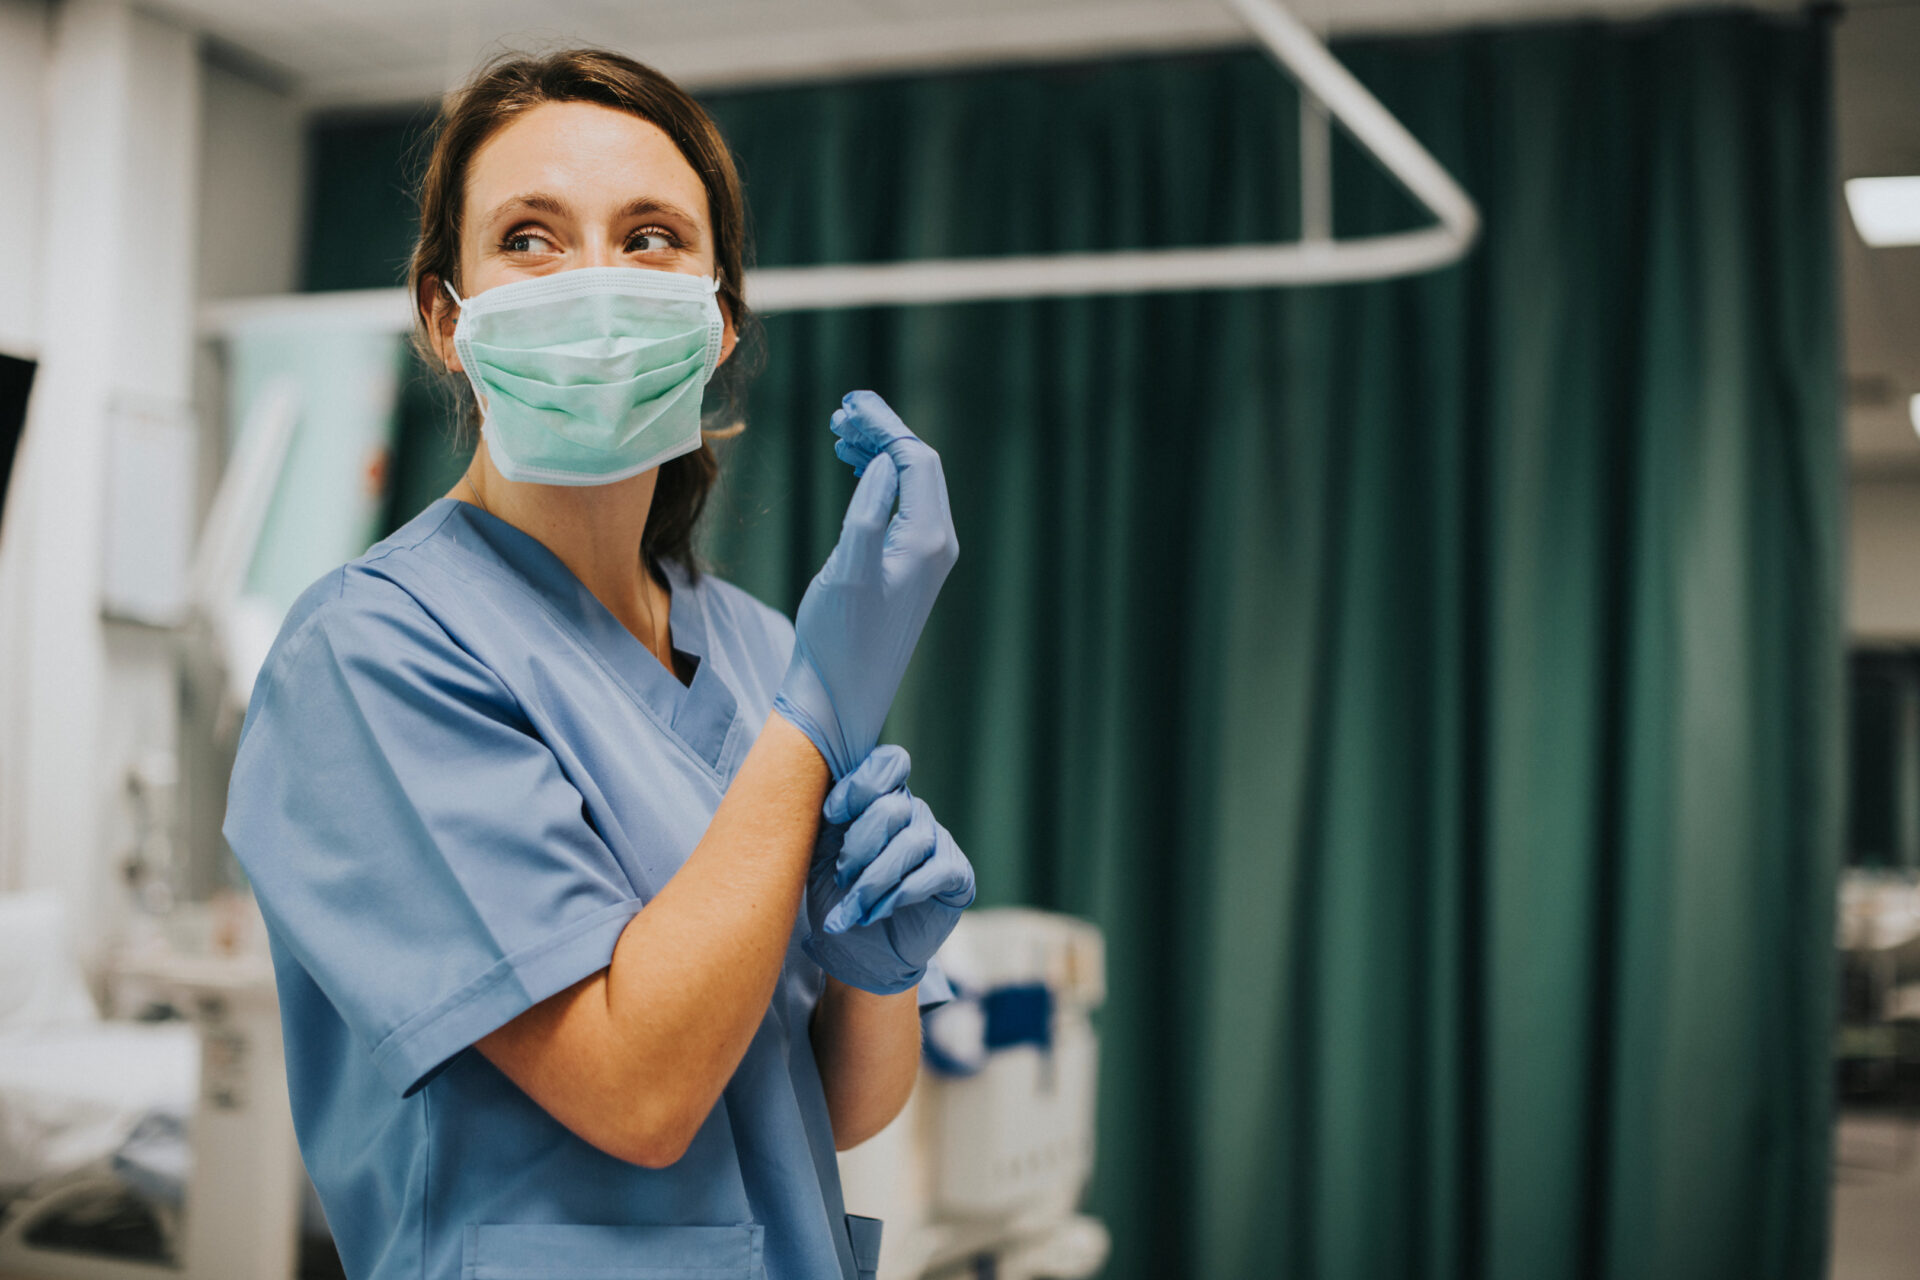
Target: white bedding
72	1088
71	1095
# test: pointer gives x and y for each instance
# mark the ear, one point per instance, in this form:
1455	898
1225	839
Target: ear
441	316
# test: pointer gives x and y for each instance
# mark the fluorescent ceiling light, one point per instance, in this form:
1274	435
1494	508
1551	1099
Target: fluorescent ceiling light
1913	411
1886	210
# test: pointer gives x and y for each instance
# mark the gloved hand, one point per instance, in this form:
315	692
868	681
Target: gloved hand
887	881
864	611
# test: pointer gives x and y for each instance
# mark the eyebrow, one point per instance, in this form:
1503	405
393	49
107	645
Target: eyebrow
541	202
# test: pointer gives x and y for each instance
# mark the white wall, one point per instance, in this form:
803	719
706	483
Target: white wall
116	244
252	197
146	175
252	185
1883	559
23	59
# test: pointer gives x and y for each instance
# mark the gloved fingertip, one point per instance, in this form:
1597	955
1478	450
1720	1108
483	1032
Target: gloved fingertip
879	486
872	421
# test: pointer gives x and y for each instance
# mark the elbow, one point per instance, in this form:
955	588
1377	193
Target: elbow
652	1153
853	1131
656	1138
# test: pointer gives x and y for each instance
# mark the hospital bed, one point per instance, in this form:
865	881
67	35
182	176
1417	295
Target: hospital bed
85	1107
113	1133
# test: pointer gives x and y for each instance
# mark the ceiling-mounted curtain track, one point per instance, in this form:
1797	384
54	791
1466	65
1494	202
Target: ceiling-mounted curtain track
1328	92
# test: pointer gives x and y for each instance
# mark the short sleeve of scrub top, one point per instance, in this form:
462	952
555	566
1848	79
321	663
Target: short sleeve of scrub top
458	780
434	871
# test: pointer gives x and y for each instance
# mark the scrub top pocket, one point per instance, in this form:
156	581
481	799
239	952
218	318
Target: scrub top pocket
864	1235
538	1251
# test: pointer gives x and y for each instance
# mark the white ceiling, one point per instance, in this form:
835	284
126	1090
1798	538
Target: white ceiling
339	52
365	51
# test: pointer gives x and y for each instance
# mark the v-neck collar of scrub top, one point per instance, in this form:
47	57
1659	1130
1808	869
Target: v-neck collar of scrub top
700	714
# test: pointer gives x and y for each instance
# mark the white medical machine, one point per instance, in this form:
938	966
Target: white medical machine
982	1173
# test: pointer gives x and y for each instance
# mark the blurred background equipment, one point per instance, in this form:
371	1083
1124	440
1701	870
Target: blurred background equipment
984	1171
81	1100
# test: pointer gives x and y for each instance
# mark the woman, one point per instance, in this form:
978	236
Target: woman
573	979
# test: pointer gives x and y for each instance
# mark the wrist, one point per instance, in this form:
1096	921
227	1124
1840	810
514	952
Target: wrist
796	745
801	698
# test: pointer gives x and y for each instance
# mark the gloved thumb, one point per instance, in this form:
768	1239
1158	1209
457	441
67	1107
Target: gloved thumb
884	769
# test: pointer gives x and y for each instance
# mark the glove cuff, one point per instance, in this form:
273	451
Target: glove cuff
837	963
800	691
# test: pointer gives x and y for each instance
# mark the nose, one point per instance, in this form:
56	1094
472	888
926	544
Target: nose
600	250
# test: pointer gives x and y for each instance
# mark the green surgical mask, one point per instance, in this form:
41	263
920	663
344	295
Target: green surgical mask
592	375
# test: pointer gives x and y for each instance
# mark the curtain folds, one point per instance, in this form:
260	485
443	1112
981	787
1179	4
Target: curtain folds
1432	686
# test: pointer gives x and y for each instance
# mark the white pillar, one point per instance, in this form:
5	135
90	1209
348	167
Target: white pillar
23	63
116	242
24	35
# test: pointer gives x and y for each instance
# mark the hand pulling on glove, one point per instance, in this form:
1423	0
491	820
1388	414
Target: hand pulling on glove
887	881
863	613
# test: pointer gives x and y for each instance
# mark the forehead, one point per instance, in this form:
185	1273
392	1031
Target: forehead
593	157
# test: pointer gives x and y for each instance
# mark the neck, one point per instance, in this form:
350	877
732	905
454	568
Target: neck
595	530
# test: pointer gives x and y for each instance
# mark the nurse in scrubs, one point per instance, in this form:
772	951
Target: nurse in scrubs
599	918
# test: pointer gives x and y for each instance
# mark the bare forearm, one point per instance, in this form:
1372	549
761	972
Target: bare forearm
693	972
868	1051
633	1058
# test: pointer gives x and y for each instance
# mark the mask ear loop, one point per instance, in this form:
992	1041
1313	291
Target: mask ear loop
461	303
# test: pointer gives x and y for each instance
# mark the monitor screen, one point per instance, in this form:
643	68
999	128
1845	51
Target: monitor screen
16	379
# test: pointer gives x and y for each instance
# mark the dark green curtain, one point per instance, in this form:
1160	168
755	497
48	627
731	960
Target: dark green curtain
1431	687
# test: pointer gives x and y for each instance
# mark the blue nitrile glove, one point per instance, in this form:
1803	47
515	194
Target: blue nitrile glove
863	612
887	881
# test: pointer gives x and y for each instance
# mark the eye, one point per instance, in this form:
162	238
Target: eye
526	240
652	240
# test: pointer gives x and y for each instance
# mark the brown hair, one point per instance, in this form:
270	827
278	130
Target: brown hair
498	94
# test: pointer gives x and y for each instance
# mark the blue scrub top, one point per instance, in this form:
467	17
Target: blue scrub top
459	778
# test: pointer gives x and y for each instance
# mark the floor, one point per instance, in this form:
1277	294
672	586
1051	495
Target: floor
1876	1197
